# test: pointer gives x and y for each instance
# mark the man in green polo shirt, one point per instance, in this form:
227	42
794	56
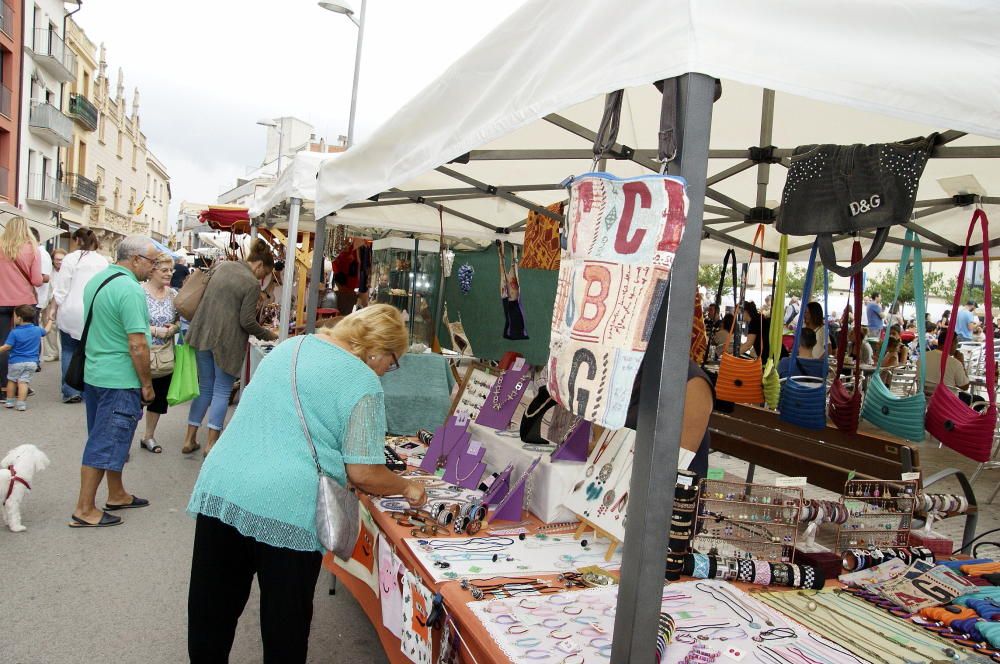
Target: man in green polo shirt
117	378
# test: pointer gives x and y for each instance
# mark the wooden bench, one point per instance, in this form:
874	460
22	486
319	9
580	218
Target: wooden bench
828	457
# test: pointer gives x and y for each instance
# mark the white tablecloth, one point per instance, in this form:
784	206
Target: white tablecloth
550	481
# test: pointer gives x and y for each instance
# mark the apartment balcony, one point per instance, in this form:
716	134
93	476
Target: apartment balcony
7	20
104	218
51	124
46	191
4	182
84	112
52	55
81	189
6	94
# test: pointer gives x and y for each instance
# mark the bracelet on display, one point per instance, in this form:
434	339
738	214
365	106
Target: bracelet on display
488	481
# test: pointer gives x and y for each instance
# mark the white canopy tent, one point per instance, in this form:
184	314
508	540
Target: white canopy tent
529	93
46	231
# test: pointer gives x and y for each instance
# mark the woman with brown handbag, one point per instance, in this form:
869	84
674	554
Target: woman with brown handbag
20	274
164	323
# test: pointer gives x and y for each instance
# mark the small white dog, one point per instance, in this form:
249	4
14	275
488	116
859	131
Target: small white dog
17	471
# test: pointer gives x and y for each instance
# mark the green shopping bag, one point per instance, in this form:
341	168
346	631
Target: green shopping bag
184	383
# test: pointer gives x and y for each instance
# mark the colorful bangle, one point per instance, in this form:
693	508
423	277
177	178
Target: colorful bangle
762	573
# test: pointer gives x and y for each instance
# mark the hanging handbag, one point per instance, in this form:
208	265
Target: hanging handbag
900	416
949	419
740	378
189	296
161	359
834	189
75	370
337	518
184	379
510	297
845	404
772	381
803	395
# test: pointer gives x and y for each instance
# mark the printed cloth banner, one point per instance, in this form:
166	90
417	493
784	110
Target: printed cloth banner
363	565
541	240
618	249
390	569
416	634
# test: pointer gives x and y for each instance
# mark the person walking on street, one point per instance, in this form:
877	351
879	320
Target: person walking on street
163	325
875	316
51	346
20	275
180	273
219	332
22	347
43	293
965	321
117	378
77	269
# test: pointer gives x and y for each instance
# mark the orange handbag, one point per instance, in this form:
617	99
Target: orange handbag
741	379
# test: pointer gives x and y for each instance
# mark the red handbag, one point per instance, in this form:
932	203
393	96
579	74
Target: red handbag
956	425
845	405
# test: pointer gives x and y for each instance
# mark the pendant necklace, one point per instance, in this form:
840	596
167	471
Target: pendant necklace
590	468
596	487
518	386
611	493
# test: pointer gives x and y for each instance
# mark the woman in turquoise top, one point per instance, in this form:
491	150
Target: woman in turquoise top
255	498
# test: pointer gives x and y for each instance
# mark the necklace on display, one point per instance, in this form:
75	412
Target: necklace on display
596	487
590	469
498	387
475	467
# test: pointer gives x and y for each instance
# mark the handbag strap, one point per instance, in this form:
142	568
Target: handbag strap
856	331
918	295
741	300
778	300
991	370
90	312
298	405
607	132
806	293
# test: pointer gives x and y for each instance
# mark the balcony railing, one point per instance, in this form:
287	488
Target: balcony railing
50	123
52	55
5	97
81	188
81	110
7	20
47	191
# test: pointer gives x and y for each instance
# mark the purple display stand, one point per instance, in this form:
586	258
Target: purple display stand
499	488
500	419
512	505
462	468
576	446
446	438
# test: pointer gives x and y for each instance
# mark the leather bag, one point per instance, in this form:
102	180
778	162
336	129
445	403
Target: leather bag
900	416
189	296
741	379
845	404
772	381
850	188
337	517
75	370
161	359
803	396
969	432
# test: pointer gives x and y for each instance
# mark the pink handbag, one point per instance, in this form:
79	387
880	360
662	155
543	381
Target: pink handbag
956	425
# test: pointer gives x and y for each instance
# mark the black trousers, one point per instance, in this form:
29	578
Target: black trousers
222	570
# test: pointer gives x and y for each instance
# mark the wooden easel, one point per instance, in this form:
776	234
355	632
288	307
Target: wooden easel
586	525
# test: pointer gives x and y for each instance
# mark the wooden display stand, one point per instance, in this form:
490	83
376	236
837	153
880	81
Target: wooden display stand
586	525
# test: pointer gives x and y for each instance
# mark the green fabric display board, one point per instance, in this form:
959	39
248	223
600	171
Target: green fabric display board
418	394
481	311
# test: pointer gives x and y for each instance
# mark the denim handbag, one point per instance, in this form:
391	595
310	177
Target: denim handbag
338	520
772	382
803	396
850	188
900	416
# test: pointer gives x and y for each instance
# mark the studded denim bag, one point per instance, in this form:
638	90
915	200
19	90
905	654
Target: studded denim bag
850	188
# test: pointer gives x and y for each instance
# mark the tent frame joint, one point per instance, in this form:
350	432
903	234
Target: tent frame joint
763	155
760	215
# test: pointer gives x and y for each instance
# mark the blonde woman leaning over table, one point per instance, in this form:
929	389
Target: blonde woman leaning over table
255	499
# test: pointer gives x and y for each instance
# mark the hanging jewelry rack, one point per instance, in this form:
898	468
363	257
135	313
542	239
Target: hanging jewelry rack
879	514
749	521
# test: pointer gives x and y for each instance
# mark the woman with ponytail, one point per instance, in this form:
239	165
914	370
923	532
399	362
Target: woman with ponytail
219	331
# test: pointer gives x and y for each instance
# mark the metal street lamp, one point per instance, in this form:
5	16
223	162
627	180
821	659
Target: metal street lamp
343	7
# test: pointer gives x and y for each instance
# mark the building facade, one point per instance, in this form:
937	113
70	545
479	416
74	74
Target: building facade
115	184
48	66
11	38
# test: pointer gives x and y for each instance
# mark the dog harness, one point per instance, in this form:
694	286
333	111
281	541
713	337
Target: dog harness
14	478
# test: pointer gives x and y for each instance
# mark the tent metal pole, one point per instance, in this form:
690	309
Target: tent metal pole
455	213
661	405
711	233
726	200
410	201
731	171
288	276
933	237
316	274
496	191
766	132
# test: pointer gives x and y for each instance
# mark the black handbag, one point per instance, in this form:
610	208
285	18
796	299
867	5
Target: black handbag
74	372
851	188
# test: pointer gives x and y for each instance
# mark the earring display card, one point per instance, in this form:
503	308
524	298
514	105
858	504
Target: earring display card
477	390
879	514
483	557
738	520
438	491
505	394
601	494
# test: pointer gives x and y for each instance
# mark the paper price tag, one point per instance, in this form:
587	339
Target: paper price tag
474	447
684	480
716	474
518	364
906	477
461	418
791	481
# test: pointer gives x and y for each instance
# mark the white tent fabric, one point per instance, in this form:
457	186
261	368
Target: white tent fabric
46	231
298	180
844	72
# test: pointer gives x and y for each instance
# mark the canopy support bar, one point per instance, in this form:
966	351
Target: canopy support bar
729	172
721	236
661	404
766	131
454	213
288	278
316	276
495	191
410	201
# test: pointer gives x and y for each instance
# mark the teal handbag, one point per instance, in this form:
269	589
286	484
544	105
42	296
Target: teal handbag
900	416
803	393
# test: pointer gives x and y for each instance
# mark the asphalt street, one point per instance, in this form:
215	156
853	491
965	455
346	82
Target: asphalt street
119	595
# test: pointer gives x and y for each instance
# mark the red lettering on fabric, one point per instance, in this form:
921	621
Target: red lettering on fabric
632	190
600	275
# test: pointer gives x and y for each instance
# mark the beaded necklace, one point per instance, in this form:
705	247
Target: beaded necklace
498	387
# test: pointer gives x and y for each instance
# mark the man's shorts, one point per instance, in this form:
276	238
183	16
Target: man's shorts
21	372
112	416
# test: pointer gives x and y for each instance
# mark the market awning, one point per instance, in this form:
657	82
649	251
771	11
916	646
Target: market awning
226	218
46	231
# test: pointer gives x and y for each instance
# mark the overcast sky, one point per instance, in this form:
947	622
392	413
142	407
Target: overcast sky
208	70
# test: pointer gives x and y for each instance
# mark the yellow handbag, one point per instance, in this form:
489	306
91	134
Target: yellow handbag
772	382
